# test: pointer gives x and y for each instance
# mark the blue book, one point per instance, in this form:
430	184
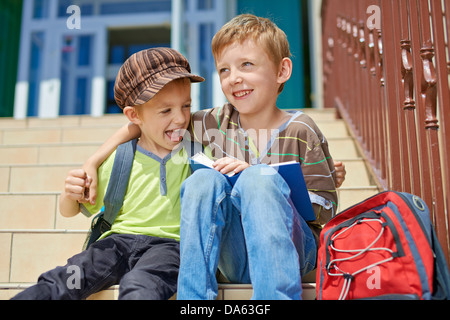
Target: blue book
291	173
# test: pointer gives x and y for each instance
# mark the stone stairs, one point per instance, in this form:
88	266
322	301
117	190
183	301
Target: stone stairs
35	157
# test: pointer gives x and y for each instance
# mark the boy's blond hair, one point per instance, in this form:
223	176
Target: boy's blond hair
261	30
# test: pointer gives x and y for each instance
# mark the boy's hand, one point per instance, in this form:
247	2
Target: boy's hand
226	165
340	173
91	172
77	186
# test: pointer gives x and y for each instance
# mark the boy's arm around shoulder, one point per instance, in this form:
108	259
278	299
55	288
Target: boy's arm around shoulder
126	133
76	184
319	180
319	170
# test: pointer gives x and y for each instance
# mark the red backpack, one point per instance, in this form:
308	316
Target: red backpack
382	248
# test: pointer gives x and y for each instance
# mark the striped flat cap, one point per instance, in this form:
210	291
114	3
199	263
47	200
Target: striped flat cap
146	72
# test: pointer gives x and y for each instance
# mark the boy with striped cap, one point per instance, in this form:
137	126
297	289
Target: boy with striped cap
141	250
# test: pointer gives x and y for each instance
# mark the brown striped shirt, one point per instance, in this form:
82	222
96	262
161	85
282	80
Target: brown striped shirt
298	139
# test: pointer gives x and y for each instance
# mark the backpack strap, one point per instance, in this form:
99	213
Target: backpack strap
195	147
118	182
120	175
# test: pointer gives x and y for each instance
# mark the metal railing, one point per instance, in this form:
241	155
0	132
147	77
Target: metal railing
386	69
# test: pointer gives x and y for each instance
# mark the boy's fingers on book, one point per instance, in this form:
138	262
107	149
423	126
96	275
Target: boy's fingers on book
235	167
241	167
228	168
220	164
227	165
223	161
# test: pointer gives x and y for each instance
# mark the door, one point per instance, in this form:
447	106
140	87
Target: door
291	17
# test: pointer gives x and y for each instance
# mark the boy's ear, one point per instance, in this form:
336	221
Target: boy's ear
132	115
285	70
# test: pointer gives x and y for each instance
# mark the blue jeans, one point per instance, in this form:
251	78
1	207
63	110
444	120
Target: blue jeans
251	232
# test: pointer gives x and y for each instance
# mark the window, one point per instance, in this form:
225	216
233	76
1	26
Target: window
87	7
40	9
37	47
205	4
122	44
112	7
82	103
135	7
84	51
207	66
76	75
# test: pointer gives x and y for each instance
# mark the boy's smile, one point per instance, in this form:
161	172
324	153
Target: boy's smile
242	93
163	120
249	78
175	135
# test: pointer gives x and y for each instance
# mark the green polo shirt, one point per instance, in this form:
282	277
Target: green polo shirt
151	204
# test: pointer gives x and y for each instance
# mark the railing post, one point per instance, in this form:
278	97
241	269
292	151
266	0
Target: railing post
409	103
443	92
390	64
392	87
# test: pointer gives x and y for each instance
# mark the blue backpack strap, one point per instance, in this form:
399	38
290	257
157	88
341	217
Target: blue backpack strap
194	148
118	182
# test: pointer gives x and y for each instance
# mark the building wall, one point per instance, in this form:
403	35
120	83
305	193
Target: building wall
68	59
10	20
288	15
315	52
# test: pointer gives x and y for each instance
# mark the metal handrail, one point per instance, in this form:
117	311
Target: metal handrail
386	69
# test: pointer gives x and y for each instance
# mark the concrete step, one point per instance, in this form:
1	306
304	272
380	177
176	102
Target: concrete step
37	154
66	153
50	177
70	153
76	129
32	230
62	121
332	129
40	211
34	178
115	119
36	211
225	291
57	135
63	153
28	253
349	196
50	248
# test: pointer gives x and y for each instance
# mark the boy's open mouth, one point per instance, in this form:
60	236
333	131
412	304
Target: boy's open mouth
242	94
175	135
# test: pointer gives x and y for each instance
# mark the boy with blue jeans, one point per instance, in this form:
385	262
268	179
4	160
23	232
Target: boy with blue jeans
251	231
141	250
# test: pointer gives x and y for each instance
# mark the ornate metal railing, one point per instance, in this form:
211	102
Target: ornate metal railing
386	69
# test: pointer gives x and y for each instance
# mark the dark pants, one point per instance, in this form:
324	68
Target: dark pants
144	267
